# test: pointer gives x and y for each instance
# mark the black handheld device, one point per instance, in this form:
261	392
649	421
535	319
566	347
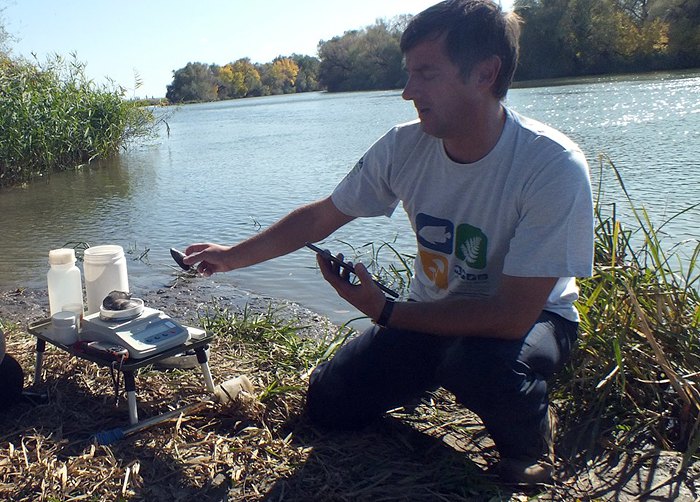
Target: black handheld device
178	257
348	266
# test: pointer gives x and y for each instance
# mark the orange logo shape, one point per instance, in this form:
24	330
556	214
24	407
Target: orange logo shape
435	268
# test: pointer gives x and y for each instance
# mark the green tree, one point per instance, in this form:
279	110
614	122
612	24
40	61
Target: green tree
336	57
194	82
579	37
363	59
683	18
307	78
252	83
544	50
229	81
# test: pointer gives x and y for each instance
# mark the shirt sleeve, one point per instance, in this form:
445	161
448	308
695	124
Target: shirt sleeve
366	190
554	234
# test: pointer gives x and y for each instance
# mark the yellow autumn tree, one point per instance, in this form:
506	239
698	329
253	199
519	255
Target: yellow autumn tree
239	79
281	76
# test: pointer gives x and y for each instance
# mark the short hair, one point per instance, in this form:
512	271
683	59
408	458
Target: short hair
474	31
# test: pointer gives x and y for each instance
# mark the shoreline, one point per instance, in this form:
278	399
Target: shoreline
185	301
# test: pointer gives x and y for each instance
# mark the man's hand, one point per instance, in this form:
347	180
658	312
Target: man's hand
211	258
365	296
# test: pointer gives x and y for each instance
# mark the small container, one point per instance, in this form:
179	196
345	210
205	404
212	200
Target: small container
78	310
64	328
105	271
63	279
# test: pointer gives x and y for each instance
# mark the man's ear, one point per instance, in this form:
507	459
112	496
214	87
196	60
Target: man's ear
486	71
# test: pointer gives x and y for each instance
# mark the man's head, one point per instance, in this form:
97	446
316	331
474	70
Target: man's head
473	30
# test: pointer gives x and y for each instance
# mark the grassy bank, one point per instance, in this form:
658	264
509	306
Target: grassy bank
53	118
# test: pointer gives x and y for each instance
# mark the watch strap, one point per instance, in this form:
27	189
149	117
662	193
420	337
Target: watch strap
383	319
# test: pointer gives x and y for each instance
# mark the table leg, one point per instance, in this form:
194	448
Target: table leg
40	348
204	364
130	386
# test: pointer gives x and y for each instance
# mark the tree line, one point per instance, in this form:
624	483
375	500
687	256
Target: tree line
242	79
559	38
364	59
564	38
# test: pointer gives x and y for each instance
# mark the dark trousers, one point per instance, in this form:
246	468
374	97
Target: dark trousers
502	381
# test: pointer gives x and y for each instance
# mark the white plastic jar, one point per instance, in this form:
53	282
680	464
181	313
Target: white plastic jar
63	279
105	271
64	327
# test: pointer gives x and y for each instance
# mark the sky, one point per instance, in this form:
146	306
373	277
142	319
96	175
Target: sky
122	39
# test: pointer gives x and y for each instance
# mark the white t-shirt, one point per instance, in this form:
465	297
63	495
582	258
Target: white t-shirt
523	210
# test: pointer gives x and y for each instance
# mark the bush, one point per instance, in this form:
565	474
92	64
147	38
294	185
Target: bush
54	118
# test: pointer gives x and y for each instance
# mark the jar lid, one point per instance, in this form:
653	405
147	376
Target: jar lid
61	256
63	318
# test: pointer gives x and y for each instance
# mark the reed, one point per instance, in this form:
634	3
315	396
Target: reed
635	377
53	118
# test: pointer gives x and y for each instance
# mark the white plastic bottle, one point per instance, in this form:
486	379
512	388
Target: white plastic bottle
105	271
64	280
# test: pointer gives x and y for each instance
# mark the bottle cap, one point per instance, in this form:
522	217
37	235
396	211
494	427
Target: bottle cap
61	256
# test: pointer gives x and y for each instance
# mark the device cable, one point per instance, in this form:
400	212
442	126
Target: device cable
116	379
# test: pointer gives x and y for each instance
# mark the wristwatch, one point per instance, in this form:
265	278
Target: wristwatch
383	319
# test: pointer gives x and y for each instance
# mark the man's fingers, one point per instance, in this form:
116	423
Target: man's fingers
193	253
205	269
195	248
324	264
336	265
363	274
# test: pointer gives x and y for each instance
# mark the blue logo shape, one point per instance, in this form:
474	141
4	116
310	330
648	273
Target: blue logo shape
435	234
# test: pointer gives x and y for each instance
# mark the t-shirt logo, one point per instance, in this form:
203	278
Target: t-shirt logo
434	268
435	233
471	246
438	241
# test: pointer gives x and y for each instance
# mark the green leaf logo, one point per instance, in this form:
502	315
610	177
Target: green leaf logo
471	246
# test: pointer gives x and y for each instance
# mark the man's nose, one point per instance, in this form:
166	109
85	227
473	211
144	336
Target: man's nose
408	92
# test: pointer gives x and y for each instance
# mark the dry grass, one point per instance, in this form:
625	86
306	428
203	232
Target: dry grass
263	448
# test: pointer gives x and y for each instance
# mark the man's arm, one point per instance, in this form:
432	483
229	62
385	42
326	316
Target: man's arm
509	314
309	223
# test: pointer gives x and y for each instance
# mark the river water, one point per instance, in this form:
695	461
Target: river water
227	169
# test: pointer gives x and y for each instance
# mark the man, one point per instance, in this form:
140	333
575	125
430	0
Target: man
502	211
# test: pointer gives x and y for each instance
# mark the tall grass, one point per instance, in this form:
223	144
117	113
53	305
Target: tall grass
635	377
53	118
275	345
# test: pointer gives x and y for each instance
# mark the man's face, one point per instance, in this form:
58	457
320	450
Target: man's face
443	98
